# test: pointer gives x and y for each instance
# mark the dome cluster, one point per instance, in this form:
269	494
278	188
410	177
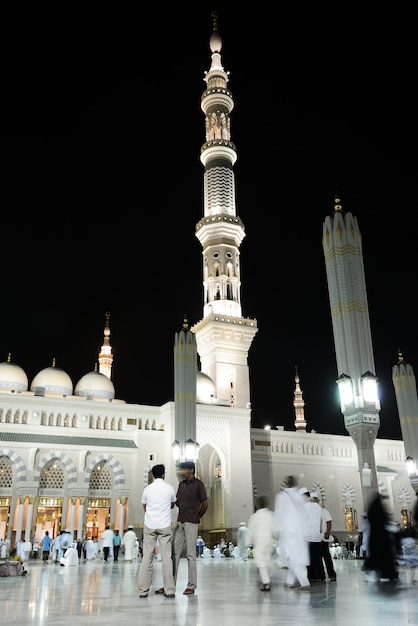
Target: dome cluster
54	380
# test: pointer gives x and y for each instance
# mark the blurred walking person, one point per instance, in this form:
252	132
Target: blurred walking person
380	563
291	528
261	537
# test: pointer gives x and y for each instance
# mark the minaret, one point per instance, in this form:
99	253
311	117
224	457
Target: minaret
405	386
357	382
299	404
185	380
223	336
105	356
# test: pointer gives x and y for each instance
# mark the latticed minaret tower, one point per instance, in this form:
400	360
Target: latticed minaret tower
105	356
223	336
342	247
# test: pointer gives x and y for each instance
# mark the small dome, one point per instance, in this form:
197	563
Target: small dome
205	389
96	385
12	377
53	380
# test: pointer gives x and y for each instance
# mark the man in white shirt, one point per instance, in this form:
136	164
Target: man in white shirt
107	543
316	571
326	534
158	499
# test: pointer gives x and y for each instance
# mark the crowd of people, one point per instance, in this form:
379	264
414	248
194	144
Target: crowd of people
297	531
300	529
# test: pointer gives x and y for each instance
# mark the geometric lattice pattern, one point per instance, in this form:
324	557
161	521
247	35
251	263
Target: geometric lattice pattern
100	477
6	474
52	476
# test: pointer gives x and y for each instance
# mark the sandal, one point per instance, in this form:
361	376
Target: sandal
265	587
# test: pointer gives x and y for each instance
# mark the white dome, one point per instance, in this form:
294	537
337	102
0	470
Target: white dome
205	389
53	380
95	384
12	377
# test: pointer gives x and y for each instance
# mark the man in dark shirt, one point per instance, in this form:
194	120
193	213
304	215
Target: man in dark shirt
192	503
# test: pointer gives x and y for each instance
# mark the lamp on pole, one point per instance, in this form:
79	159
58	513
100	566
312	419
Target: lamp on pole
360	406
189	451
411	468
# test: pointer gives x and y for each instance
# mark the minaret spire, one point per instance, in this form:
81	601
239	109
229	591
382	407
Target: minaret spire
223	336
105	355
299	404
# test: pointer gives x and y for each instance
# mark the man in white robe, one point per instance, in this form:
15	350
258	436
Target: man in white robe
90	549
71	556
290	527
129	540
261	538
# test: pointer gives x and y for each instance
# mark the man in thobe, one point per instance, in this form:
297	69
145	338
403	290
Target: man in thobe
128	542
291	529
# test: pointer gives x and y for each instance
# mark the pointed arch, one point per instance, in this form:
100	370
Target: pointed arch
17	462
69	465
118	471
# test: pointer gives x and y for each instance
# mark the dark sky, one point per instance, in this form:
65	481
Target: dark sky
103	186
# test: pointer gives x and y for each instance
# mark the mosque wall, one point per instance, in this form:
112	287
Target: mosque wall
328	464
236	462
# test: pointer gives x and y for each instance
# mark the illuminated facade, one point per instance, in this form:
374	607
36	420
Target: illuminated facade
78	457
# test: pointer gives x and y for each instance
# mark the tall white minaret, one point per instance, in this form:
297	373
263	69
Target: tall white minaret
105	355
360	405
299	404
223	336
405	386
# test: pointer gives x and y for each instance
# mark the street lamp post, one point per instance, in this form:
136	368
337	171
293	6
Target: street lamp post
360	406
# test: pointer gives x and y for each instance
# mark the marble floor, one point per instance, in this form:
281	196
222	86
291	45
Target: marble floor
228	594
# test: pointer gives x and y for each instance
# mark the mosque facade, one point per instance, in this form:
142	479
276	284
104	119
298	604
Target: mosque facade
78	457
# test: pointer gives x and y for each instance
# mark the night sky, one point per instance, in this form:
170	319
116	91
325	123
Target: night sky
102	188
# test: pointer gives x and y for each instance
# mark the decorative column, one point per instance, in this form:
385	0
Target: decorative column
29	515
81	524
72	513
22	499
122	502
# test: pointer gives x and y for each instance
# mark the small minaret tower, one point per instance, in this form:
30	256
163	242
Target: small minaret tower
299	404
223	336
105	356
357	382
185	380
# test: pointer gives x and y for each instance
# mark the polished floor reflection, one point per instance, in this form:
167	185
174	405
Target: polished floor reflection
228	594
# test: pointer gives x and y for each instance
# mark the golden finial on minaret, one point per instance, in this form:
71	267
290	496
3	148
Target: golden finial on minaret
337	203
400	356
185	323
215	20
